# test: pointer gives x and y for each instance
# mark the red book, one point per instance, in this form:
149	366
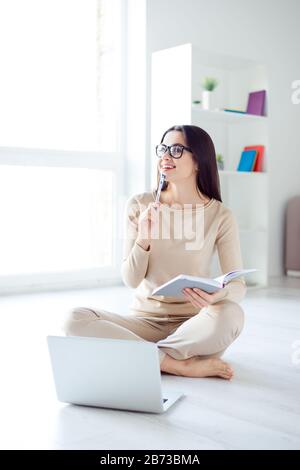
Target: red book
258	166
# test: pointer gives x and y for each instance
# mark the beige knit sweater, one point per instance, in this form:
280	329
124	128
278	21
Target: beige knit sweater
171	254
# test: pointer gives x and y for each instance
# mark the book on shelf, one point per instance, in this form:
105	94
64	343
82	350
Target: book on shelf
247	160
228	110
173	288
258	166
256	102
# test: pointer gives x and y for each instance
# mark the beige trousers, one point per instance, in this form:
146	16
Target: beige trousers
206	334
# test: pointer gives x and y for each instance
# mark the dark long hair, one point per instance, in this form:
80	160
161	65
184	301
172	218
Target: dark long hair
204	156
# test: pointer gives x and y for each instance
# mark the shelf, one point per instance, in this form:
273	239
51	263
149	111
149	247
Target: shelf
226	117
242	173
245	193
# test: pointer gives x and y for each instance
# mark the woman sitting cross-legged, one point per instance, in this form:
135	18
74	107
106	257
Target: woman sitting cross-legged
177	235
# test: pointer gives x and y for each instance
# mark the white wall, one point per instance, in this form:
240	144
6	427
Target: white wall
263	30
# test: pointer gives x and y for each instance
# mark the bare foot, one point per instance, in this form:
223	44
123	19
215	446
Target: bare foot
214	367
197	367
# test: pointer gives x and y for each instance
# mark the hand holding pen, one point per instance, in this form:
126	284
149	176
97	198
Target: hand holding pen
147	220
160	185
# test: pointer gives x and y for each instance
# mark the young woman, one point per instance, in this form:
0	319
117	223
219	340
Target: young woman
191	333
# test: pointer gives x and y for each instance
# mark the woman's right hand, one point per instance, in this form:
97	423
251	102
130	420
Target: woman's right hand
147	223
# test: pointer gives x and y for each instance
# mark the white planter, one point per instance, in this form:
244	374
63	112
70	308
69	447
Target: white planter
206	99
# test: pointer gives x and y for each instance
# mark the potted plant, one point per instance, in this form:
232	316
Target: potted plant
220	161
208	85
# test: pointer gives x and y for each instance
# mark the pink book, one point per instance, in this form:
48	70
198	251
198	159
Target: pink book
256	102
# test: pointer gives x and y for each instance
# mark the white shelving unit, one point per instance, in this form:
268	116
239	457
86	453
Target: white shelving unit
177	74
224	116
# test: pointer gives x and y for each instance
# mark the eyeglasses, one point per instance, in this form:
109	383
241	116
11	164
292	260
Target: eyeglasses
175	150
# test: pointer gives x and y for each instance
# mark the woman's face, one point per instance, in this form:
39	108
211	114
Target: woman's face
185	166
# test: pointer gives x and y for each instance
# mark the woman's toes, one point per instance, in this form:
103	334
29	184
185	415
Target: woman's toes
197	367
226	371
226	376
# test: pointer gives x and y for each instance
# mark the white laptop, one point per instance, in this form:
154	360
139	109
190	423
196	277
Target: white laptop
110	373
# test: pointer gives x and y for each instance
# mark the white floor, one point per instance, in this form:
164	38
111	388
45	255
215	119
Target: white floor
259	409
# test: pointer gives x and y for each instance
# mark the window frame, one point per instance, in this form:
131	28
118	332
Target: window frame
92	160
113	161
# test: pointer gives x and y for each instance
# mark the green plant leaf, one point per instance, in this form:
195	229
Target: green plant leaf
209	83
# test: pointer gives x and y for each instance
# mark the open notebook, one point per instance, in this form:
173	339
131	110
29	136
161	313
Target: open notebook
173	288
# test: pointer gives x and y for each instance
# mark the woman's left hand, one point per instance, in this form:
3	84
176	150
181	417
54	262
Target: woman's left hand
198	297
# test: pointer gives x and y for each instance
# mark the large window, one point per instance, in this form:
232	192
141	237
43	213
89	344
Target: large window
60	73
52	219
61	138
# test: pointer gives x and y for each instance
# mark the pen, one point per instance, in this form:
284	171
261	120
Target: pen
160	185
